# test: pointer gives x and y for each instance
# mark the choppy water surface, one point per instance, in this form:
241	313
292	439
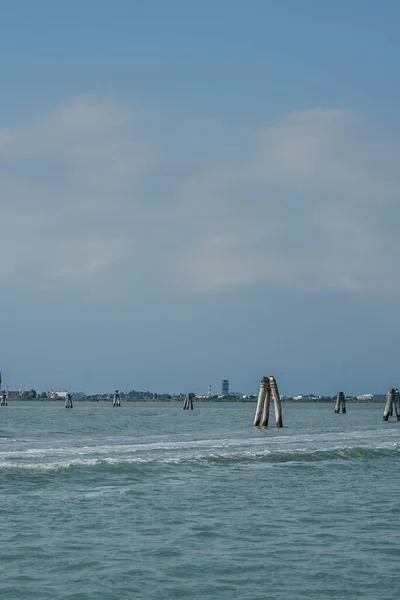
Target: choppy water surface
150	501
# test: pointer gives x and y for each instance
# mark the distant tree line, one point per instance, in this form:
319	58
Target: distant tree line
147	395
33	394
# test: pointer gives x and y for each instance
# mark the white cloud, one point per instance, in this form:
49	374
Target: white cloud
312	208
63	181
92	197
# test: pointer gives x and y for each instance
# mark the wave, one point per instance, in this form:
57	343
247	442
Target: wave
306	456
206	457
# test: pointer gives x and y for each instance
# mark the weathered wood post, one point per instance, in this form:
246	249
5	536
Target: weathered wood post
264	385
340	403
390	403
277	401
267	402
116	399
268	389
68	401
188	402
3	401
397	404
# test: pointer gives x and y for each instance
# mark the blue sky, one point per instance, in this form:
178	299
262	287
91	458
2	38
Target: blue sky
198	191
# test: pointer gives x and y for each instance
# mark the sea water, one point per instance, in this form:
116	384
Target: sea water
149	501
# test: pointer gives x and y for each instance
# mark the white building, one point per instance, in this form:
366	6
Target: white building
365	397
52	394
62	395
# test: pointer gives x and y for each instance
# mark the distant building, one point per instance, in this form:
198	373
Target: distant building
365	397
209	390
12	393
53	395
225	387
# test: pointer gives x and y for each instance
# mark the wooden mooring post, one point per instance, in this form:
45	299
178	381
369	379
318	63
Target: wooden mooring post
188	403
3	399
116	399
392	406
68	401
264	385
340	403
268	390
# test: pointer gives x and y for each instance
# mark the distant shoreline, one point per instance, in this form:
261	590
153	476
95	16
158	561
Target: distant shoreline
196	400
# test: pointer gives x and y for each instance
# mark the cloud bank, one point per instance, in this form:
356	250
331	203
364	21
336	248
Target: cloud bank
96	195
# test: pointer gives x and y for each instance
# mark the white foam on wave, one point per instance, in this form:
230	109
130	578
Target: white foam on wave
114	448
176	451
50	466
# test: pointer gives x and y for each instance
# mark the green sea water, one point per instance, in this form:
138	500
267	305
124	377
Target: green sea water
149	501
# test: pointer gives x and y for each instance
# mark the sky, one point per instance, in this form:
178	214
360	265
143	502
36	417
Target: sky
194	191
